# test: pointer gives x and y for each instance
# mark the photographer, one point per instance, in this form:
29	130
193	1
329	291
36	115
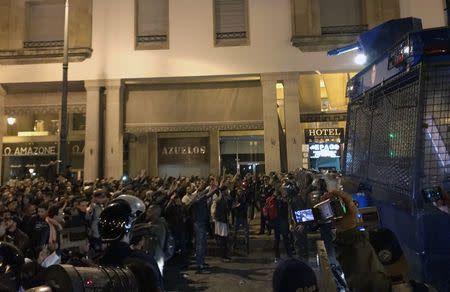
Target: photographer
362	269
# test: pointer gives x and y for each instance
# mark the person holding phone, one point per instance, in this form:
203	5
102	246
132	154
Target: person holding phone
363	271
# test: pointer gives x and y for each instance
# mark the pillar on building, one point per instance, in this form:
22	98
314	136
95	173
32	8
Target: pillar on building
113	165
92	138
271	123
214	152
152	139
2	128
379	11
294	135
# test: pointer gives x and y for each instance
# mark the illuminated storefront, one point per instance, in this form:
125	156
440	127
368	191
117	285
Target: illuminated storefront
31	132
325	156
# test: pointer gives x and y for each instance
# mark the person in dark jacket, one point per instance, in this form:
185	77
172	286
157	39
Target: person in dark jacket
175	215
220	218
199	208
13	234
40	230
265	191
280	225
240	206
79	219
299	230
25	224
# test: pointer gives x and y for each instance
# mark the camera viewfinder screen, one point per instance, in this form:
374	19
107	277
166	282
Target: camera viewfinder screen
304	215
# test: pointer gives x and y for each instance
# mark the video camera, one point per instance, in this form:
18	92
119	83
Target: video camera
323	212
334	209
67	278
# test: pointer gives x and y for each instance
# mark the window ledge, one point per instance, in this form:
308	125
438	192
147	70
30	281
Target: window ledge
231	42
152	46
42	55
152	42
322	43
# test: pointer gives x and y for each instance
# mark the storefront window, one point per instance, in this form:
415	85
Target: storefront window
31	148
78	121
32	124
242	153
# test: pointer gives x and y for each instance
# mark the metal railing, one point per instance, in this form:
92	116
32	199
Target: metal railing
43	44
344	29
151	38
237	35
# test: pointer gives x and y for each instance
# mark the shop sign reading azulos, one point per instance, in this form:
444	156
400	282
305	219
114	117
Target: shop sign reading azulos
30	149
182	150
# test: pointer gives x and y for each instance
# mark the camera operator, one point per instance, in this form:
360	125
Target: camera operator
362	269
115	227
326	233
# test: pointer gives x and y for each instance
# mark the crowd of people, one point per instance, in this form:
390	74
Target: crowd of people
178	216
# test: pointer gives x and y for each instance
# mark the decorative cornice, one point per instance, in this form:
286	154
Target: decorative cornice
42	55
47	108
322	43
193	127
323	117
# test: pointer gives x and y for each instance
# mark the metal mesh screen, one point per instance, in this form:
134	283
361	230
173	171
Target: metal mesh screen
381	142
437	121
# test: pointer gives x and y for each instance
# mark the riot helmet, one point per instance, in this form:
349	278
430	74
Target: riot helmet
118	218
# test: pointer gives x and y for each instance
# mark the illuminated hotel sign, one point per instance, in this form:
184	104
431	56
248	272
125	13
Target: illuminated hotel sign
183	150
330	150
332	134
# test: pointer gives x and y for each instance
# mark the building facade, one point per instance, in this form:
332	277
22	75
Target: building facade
180	87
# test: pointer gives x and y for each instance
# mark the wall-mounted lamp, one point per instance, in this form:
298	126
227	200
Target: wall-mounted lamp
11	121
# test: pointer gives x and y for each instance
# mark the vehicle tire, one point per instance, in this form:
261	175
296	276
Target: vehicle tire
386	246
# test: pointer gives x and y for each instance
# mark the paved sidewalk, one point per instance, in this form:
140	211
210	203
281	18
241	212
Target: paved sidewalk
243	273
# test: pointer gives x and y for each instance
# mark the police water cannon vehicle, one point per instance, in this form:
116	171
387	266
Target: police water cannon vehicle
398	141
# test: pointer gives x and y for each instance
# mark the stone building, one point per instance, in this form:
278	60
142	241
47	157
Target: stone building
182	87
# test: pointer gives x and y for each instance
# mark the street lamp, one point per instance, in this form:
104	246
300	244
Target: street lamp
63	131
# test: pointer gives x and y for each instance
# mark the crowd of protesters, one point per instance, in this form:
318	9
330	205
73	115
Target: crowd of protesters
180	214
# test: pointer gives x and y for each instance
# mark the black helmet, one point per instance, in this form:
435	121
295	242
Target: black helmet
10	256
118	218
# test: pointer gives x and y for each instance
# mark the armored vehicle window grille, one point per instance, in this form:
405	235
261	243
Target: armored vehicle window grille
382	130
436	119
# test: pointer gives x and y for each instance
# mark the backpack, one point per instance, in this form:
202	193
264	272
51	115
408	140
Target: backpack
169	245
270	209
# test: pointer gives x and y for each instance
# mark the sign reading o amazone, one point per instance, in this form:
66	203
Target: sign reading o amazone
30	149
